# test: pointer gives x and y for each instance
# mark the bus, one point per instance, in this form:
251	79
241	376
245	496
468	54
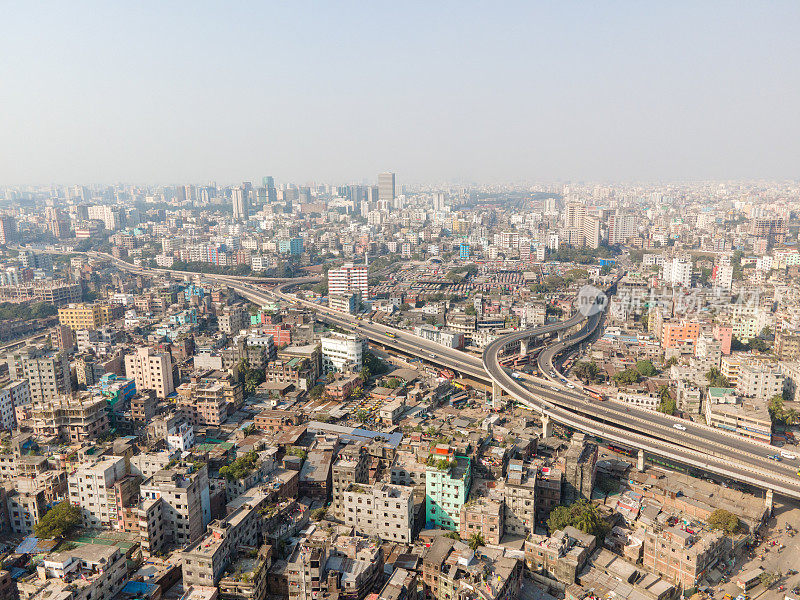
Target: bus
594	394
390	334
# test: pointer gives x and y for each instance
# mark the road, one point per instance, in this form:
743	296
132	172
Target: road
712	450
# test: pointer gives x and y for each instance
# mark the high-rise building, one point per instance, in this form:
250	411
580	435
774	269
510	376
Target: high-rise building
92	487
8	229
463	250
678	271
152	371
240	204
574	214
47	373
591	232
621	227
349	279
386	189
723	274
439	201
342	352
447	482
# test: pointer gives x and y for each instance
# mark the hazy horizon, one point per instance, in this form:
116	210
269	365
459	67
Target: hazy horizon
163	93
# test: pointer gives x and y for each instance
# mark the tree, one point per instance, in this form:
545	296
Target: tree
362	415
627	377
58	521
673	360
470	310
768	579
724	520
667	404
241	467
587	372
582	515
645	368
453	535
318	513
316	392
393	383
716	378
476	540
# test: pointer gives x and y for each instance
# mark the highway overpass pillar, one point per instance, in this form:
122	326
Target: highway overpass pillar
523	347
768	501
640	461
497	394
547	426
560	335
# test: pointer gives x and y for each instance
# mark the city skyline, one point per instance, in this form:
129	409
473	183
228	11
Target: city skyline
620	92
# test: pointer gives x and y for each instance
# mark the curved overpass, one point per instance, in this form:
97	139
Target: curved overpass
700	446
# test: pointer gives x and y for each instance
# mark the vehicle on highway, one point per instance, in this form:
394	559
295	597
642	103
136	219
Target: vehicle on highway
516	375
432	355
679	426
390	334
571	386
594	394
788	455
774	457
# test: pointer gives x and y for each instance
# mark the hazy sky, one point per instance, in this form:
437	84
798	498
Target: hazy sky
168	92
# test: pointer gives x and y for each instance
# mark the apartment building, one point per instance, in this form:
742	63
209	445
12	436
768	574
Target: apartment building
450	339
787	345
448	478
324	566
380	510
484	516
87	316
24	508
295	371
352	466
520	499
233	319
176	506
674	334
47	371
151	370
578	465
747	419
342	352
205	561
348	279
13	394
206	400
92	488
88	572
76	418
760	381
450	569
683	557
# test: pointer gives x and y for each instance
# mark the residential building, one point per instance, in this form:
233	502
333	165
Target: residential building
92	488
185	507
352	466
380	510
348	279
76	418
483	516
760	381
683	557
448	478
151	370
520	499
342	352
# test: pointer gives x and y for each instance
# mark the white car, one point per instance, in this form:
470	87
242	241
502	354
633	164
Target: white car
679	426
571	386
789	455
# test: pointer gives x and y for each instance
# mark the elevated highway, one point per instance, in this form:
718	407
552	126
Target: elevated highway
692	444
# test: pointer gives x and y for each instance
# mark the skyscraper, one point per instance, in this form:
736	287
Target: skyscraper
386	190
240	208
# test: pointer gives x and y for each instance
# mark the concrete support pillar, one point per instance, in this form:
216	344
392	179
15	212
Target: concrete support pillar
523	347
547	426
640	461
560	335
768	501
497	394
